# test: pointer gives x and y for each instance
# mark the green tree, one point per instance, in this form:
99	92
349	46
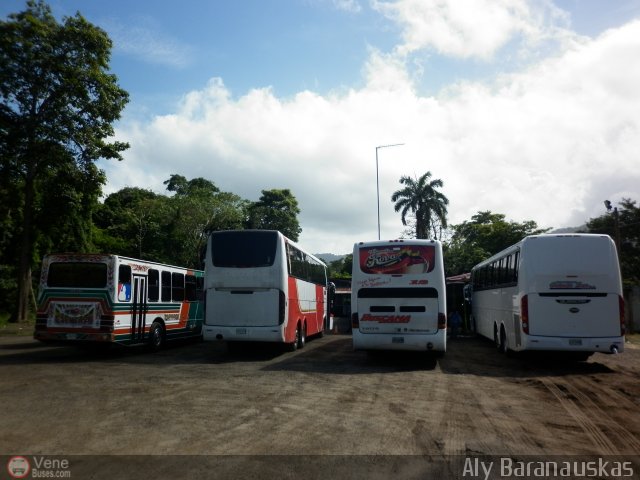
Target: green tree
486	234
132	222
167	229
341	268
629	228
276	210
57	106
199	207
421	198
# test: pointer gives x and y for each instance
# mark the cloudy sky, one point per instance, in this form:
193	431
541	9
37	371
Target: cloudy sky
530	108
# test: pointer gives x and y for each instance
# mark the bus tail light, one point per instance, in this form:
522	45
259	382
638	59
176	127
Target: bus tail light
623	328
355	323
282	308
524	313
442	321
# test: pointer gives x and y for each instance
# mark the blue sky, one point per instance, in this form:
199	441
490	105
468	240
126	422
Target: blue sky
522	107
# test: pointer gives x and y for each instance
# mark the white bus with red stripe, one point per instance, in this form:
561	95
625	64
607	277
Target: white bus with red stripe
262	287
551	292
398	296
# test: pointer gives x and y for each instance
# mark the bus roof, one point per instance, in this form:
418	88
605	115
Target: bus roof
543	237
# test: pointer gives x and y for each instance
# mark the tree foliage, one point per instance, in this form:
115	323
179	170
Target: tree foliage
57	106
197	208
168	229
486	234
629	233
277	209
421	198
341	268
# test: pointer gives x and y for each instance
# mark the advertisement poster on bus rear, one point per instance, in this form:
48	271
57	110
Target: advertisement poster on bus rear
397	259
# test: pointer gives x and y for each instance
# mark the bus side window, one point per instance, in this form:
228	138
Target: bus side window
124	283
177	287
199	288
166	286
190	288
154	285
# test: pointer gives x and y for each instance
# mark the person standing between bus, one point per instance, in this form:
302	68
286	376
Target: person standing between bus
455	321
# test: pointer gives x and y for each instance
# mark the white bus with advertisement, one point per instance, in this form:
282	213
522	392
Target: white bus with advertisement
398	296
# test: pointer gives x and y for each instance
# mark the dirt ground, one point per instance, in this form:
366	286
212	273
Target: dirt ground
322	407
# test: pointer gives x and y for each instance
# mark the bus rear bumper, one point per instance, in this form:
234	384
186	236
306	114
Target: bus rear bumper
574	344
242	334
418	343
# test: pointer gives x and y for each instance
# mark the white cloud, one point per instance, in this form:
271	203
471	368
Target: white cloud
548	144
471	28
145	40
352	6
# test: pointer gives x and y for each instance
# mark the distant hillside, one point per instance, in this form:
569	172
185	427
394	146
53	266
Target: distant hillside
329	257
582	228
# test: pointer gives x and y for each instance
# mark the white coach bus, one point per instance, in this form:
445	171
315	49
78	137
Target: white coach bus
398	296
551	292
262	287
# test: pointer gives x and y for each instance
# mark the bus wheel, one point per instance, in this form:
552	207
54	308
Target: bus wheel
156	336
504	348
293	346
302	335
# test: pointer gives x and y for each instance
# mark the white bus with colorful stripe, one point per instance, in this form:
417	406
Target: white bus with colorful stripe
554	292
398	296
114	299
261	286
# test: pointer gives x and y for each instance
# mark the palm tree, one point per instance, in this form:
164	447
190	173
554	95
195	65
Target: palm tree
421	198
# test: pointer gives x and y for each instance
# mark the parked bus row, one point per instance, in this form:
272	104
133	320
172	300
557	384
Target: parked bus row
547	292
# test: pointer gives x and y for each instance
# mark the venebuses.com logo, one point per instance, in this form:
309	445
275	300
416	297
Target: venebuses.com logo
19	466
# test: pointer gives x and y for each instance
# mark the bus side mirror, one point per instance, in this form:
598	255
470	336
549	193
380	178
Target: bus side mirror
467	292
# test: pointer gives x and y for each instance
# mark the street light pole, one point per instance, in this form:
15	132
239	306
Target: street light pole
378	180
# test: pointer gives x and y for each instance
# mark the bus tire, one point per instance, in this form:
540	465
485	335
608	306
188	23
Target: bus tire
504	347
156	336
302	337
293	346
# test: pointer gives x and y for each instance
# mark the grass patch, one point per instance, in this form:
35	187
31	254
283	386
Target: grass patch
7	328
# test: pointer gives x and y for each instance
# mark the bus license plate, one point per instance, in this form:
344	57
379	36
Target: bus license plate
241	331
575	341
397	339
72	336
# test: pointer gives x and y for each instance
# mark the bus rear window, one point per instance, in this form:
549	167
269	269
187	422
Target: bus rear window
243	249
397	259
77	275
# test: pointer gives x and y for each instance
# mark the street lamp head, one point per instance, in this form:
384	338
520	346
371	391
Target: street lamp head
607	204
392	145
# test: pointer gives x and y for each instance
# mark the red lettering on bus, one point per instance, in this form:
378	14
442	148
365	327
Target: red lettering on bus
367	317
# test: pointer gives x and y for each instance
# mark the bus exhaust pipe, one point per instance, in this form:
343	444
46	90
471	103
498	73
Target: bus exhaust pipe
614	349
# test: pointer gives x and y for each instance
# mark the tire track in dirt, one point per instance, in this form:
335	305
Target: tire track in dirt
627	441
574	407
499	418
